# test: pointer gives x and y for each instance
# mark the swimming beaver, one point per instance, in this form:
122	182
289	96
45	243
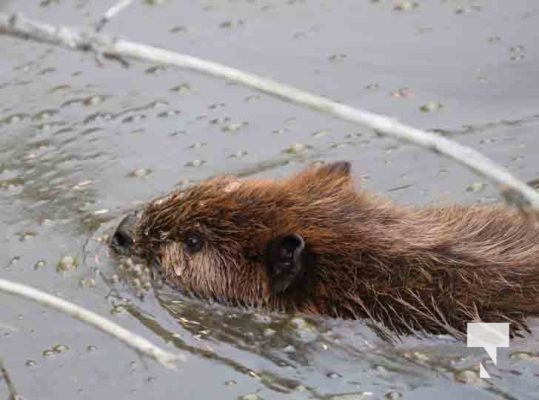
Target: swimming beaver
314	244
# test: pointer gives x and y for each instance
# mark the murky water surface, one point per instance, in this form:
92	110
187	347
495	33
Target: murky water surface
81	143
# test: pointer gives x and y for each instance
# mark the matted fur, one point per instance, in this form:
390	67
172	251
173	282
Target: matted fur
431	269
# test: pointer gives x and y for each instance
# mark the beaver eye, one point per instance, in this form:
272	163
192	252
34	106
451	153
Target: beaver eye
193	242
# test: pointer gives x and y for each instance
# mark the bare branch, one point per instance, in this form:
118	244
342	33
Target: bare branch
515	191
4	374
134	341
111	13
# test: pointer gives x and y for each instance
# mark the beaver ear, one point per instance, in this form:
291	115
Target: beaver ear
284	261
341	168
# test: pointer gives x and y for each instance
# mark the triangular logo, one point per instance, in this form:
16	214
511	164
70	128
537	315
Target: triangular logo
483	372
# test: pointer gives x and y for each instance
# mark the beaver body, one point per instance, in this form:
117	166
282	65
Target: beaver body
314	243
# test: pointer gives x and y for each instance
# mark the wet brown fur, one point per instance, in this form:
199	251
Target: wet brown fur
432	269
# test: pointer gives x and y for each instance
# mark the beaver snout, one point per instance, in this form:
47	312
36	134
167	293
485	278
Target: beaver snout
122	240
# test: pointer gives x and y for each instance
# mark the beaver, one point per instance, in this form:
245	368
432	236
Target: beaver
316	244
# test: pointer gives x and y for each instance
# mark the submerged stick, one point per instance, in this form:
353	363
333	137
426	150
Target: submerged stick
134	341
514	191
4	374
111	13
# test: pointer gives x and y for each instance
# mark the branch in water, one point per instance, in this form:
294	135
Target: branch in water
4	374
134	341
111	13
514	191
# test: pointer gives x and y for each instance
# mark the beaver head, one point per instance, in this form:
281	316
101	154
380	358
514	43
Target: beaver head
249	242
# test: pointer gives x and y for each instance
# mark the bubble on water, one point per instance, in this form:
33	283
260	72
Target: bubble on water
333	375
49	126
183	88
82	185
195	163
140	173
26	235
14	118
337	57
402	93
98	116
431	106
67	263
94	100
321	133
133	118
469	9
238	154
219	120
60	89
168	113
48	353
304	330
30	363
252	97
250	396
119	309
468	376
46	71
476	187
418	356
87	282
178	29
517	53
44	115
60	348
215	106
40	264
234	127
156	69
101	211
198	145
297	148
372	86
289	349
393	395
339	145
524	355
231	24
380	369
268	332
47	3
405	5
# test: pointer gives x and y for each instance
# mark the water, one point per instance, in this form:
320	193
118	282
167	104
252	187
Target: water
81	143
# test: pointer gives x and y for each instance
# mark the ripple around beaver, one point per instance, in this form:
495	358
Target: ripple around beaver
290	353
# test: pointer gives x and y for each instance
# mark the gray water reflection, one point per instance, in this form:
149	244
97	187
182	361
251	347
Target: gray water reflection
81	143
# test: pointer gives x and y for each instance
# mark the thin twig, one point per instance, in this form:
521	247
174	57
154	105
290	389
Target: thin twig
513	190
111	13
4	374
134	341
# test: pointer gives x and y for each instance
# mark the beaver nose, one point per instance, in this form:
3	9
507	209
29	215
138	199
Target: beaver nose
122	240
